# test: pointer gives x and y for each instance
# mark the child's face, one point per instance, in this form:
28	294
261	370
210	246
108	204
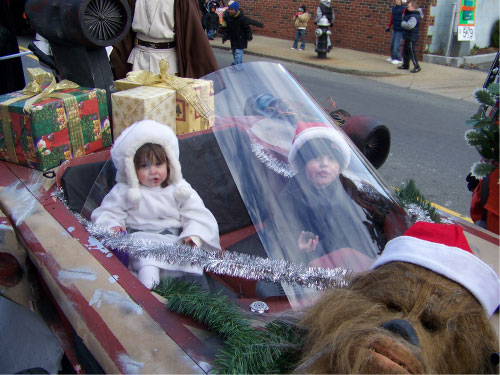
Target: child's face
322	171
398	2
152	173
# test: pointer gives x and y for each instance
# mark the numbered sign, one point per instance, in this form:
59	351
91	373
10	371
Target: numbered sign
466	33
466	20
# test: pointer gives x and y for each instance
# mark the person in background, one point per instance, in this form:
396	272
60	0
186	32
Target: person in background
325	10
300	21
238	32
410	24
212	20
397	32
174	24
203	9
11	70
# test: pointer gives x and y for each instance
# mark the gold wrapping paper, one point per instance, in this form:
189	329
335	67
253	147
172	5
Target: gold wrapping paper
188	119
140	103
195	97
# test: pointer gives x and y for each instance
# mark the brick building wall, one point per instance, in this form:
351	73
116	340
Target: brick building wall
359	24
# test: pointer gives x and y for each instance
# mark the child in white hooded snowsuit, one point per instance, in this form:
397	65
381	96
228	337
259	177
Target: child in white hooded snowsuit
151	199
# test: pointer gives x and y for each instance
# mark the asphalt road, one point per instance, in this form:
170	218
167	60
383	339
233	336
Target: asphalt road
427	130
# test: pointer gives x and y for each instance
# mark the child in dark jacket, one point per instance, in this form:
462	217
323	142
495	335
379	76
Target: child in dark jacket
238	32
212	20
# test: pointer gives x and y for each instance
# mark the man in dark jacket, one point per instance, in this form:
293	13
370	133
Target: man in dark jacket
410	25
238	32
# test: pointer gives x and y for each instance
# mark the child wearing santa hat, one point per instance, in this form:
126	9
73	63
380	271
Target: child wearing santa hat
152	200
321	210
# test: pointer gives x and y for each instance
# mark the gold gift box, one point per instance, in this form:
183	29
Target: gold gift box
187	118
140	103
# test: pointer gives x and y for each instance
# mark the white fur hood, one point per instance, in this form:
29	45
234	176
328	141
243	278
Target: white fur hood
130	140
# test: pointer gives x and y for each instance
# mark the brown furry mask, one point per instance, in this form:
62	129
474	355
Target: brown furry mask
398	318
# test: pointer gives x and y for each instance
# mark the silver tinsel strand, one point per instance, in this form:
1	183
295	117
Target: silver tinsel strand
278	166
417	213
223	263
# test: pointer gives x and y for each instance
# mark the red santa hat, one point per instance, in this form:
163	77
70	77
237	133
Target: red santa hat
310	131
444	249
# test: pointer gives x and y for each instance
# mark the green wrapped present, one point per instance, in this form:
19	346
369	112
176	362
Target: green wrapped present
45	125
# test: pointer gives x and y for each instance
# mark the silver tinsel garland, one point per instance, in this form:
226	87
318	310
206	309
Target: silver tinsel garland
282	168
228	262
223	263
417	213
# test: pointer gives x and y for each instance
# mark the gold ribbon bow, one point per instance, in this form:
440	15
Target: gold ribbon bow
180	85
34	91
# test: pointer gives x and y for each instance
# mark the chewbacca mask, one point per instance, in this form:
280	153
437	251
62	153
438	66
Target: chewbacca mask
423	308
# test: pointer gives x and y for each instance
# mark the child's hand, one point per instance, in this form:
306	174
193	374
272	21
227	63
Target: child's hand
119	229
308	241
193	241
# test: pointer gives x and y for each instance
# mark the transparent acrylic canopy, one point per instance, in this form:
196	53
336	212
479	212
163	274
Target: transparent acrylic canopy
328	219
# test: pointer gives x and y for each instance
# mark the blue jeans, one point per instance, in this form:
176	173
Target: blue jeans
397	36
300	34
238	56
211	33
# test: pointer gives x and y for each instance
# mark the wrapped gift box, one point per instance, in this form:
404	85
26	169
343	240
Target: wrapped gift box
140	103
67	124
187	118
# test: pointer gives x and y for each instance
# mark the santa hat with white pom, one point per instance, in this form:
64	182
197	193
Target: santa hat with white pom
313	139
127	144
443	248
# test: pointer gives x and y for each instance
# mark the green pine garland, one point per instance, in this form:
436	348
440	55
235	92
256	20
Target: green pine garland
410	194
483	135
246	350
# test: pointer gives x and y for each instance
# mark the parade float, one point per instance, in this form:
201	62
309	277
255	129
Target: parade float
235	129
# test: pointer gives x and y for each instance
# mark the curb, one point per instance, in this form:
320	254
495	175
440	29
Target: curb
458	62
319	65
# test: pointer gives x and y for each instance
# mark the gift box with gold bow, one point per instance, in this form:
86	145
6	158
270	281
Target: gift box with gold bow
194	103
140	103
47	123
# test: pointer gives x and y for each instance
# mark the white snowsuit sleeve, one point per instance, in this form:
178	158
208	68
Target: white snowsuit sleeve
113	210
197	220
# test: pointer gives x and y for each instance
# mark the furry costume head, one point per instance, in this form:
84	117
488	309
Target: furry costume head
407	315
130	140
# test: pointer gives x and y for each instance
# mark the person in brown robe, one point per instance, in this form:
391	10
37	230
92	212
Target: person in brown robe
195	57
